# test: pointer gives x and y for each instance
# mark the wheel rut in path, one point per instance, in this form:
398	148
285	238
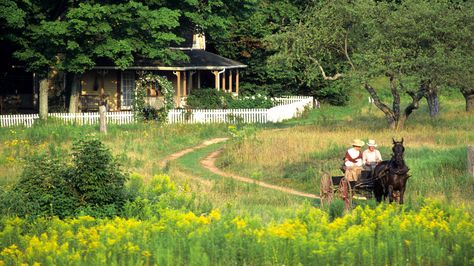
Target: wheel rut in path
181	153
210	164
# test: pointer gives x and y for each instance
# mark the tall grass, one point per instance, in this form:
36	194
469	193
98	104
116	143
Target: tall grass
139	147
225	193
297	155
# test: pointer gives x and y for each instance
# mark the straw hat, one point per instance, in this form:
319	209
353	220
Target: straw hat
371	143
358	143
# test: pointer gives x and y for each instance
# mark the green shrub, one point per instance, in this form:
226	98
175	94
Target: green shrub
335	93
50	186
41	190
208	98
96	174
336	208
248	102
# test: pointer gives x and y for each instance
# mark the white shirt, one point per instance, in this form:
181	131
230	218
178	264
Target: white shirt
371	156
354	154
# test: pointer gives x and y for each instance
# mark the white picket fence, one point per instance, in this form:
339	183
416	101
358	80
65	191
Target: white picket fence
287	108
72	118
218	116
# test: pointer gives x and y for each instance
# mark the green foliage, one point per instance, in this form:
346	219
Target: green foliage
147	112
72	36
247	42
160	194
335	93
208	98
433	234
11	16
92	184
96	174
41	190
249	102
336	208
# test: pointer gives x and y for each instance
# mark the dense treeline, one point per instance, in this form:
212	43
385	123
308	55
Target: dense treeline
291	46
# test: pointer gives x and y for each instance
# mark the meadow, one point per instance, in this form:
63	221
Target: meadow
298	152
182	214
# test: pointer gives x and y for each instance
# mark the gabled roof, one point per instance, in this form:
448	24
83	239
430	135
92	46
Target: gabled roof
198	60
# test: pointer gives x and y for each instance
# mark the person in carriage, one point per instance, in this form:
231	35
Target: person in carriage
353	161
371	157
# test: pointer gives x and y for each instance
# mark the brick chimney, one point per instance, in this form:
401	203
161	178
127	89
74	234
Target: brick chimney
199	41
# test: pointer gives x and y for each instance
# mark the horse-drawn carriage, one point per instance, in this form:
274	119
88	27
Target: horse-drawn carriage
387	180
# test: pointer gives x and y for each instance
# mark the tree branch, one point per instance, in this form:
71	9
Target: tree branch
383	107
346	44
335	77
396	96
416	97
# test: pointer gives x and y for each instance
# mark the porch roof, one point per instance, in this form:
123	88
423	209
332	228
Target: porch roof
198	60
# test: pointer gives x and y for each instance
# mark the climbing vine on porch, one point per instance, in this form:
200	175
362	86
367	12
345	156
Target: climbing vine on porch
146	79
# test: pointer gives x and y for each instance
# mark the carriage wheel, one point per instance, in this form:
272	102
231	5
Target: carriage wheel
326	191
345	193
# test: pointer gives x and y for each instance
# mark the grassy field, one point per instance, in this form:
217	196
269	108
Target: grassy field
139	147
299	151
186	215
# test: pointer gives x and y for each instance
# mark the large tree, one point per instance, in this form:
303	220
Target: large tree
71	36
409	41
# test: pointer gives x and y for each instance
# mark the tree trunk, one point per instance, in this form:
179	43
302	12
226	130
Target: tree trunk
43	98
469	96
75	94
432	100
400	123
389	115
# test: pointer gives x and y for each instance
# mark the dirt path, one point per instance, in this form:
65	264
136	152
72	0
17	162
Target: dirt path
181	153
209	163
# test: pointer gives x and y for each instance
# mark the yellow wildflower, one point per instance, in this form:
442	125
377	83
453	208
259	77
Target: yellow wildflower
215	215
239	222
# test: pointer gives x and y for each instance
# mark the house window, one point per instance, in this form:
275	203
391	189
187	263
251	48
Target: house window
128	88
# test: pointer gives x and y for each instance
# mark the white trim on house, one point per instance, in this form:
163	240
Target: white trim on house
127	89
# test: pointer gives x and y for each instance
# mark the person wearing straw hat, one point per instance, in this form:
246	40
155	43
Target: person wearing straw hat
371	157
353	160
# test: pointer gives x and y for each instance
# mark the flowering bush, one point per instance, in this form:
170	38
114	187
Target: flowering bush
388	235
210	98
248	102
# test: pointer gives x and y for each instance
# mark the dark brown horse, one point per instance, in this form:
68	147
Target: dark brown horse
391	176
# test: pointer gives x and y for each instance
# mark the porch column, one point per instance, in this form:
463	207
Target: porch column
190	86
216	76
223	81
199	79
184	83
237	82
178	87
230	81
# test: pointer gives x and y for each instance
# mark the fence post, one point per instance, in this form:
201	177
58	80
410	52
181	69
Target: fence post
470	160
102	119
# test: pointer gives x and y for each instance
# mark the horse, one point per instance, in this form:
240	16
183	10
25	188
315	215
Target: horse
391	175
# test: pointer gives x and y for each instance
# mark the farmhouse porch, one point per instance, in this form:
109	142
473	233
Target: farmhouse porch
108	83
